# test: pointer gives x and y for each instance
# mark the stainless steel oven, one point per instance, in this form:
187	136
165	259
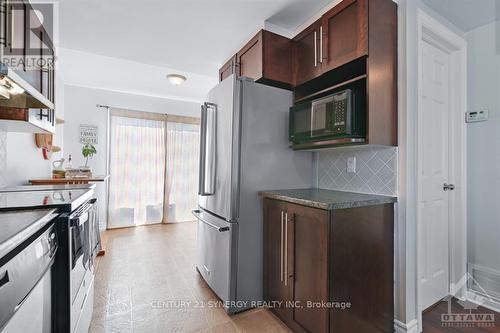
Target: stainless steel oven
74	286
25	286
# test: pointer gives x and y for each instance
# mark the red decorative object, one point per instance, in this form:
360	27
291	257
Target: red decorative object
47	154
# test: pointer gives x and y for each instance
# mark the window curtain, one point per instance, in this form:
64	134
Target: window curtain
153	167
181	187
137	169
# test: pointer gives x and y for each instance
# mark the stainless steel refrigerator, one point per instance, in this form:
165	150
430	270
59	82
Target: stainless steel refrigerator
244	149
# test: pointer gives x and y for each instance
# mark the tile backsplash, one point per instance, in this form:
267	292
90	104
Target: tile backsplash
376	170
3	158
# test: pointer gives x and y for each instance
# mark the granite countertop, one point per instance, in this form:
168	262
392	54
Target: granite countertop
327	199
17	226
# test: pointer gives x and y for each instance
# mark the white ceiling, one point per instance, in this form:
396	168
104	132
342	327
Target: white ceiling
101	72
188	35
467	14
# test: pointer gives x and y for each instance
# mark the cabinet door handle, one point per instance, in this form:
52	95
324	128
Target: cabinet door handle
281	249
11	29
6	23
321	44
3	30
286	249
315	49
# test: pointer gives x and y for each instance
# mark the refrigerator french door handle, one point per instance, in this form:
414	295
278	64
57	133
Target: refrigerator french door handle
201	171
210	152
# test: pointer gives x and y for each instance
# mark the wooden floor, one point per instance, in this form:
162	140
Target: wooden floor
146	282
433	320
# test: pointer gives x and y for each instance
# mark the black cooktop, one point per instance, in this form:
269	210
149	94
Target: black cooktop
65	200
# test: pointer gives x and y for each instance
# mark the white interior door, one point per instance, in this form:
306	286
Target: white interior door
433	168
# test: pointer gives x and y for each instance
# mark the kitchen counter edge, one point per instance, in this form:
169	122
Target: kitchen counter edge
45	217
327	199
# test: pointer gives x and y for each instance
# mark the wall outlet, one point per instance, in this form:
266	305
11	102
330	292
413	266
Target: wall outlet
351	164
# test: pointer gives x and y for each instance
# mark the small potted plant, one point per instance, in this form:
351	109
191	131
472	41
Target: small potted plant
88	151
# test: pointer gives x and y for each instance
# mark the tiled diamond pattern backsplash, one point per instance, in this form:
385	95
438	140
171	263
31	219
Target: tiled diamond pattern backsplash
3	158
376	170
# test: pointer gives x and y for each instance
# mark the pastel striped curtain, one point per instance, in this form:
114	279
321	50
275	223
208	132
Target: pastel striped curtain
137	171
181	189
153	162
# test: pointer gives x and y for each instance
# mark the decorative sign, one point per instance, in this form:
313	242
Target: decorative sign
88	134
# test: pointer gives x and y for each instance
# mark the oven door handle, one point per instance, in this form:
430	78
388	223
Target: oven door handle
78	221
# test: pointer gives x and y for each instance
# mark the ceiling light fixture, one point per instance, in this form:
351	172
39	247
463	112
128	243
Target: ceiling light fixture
176	79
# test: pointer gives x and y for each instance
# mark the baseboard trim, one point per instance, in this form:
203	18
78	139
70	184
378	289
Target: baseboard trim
411	327
483	301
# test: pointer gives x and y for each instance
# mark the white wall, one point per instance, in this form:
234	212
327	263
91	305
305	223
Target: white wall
80	105
22	159
484	147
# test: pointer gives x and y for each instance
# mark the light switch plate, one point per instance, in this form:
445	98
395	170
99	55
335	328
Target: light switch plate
351	164
476	116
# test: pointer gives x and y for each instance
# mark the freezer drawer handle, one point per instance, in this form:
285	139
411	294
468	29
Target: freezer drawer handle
196	213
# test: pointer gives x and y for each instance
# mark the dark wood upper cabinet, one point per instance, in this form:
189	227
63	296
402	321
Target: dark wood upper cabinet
382	72
250	58
29	51
353	43
24	41
344	33
266	58
358	42
228	68
306	54
13	22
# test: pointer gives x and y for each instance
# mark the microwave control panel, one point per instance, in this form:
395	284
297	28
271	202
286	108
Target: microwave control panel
340	107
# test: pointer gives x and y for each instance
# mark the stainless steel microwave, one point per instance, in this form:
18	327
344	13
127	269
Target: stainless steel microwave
335	119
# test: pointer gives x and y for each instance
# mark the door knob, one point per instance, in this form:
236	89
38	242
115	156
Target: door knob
448	187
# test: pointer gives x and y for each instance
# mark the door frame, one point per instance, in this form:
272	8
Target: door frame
431	31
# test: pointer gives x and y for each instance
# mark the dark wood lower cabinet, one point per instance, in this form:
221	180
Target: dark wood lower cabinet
361	269
274	270
294	235
309	264
329	271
